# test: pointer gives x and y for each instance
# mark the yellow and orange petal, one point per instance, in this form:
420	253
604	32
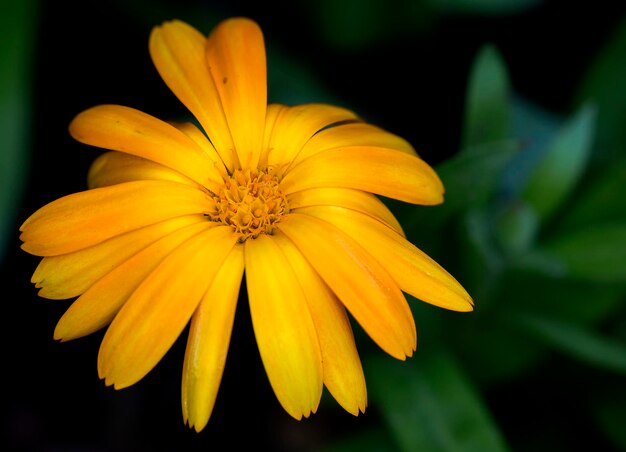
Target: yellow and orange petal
415	272
235	52
381	171
69	275
283	327
359	281
208	341
179	53
128	130
88	218
341	366
101	302
158	310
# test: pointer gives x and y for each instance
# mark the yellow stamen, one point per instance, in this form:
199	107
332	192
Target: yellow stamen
251	202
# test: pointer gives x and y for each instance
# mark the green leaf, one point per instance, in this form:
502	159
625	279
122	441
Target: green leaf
516	228
487	104
596	253
534	127
429	404
481	260
579	343
586	303
493	352
562	165
599	85
17	27
601	200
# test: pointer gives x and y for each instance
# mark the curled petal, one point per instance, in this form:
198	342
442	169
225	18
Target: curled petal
90	217
359	281
284	330
382	171
159	309
235	53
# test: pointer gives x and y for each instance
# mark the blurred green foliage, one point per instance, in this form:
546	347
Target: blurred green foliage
17	25
354	24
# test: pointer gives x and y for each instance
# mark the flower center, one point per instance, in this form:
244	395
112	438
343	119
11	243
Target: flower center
250	202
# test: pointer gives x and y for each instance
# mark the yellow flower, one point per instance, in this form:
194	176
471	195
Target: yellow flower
174	215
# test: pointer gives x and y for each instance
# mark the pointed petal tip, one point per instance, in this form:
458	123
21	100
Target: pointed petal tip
357	410
197	426
299	414
109	380
63	333
463	303
117	385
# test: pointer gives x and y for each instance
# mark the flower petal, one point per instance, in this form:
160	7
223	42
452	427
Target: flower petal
343	373
69	275
201	140
359	281
115	167
294	126
345	197
87	218
271	115
131	131
236	57
178	52
283	327
158	311
209	337
415	272
95	308
382	171
353	134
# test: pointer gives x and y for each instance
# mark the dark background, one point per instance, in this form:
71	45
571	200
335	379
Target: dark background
411	82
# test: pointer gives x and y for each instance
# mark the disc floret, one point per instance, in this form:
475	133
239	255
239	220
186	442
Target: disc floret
251	202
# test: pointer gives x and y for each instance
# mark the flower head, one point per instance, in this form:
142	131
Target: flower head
176	216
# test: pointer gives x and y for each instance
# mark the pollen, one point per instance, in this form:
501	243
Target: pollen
251	202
